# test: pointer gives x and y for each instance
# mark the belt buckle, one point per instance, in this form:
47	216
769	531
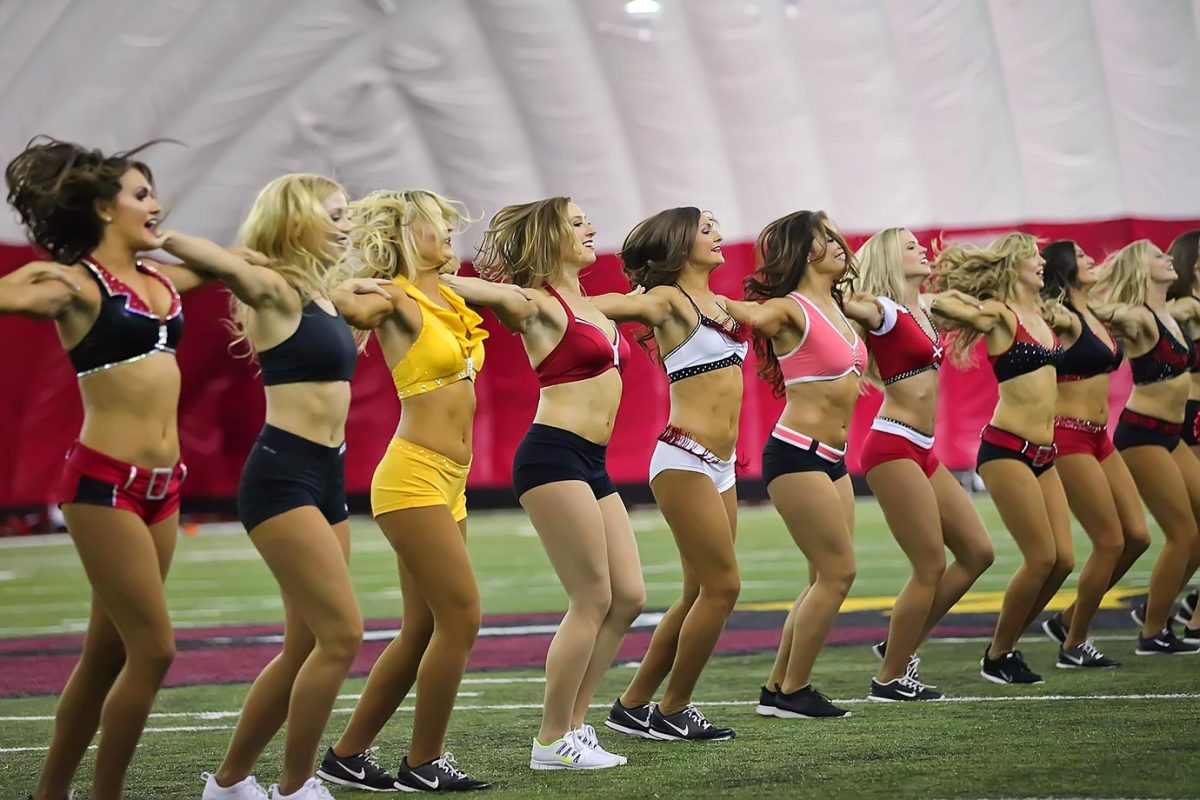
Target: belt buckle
1043	454
159	476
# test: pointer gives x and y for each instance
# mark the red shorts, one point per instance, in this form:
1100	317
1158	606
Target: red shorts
1076	436
92	478
889	440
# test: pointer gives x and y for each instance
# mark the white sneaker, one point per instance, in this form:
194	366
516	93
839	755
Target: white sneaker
312	789
247	789
570	753
586	735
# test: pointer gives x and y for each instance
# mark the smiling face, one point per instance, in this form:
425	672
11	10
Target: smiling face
1162	267
338	208
828	257
914	259
705	253
432	236
134	213
584	251
1087	271
1030	272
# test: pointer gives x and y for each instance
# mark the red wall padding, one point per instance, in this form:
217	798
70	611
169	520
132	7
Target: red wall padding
221	409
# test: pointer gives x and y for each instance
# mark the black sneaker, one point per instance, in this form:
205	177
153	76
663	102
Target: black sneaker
1138	615
1186	609
879	649
1191	635
1085	655
630	721
767	703
361	771
806	703
1165	643
900	690
912	671
1008	668
1055	628
688	725
439	775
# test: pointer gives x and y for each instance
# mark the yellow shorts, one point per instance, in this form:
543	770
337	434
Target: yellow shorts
410	476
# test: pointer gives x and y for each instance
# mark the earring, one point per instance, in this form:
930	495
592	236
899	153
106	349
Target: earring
107	218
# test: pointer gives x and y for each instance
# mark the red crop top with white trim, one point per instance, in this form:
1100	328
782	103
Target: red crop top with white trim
584	351
902	347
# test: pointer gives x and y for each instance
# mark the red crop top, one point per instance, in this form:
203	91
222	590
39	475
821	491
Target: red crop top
901	347
584	351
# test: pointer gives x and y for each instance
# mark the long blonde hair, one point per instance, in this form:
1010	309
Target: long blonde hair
880	263
289	225
382	241
1125	275
984	273
526	244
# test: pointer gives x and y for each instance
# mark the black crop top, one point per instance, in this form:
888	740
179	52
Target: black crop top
1089	356
1026	354
321	349
1168	358
126	329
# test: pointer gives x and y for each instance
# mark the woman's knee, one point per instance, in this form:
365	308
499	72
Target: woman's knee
1108	544
627	602
979	558
838	578
593	602
341	641
723	589
155	654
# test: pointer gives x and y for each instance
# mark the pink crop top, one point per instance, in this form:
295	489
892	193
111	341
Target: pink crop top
823	353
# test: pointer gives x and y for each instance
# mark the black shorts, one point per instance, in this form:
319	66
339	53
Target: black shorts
1138	430
286	471
991	452
782	458
1191	423
549	455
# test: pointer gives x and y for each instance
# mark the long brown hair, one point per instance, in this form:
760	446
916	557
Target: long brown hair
781	254
525	244
1184	251
56	186
656	250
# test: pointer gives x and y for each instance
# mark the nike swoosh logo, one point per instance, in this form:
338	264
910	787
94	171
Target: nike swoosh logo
906	694
432	784
360	775
681	731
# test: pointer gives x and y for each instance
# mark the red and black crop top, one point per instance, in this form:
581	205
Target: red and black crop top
1025	355
126	329
1089	356
901	347
1168	358
584	351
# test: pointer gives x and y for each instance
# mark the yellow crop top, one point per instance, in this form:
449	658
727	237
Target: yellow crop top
448	349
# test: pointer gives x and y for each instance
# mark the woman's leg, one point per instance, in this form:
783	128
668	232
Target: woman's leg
1018	497
395	671
815	513
660	654
568	521
1162	487
309	565
628	598
128	649
700	521
968	540
1189	468
266	706
911	510
1091	500
1059	514
784	652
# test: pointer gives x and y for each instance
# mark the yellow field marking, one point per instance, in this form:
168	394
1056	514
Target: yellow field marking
972	603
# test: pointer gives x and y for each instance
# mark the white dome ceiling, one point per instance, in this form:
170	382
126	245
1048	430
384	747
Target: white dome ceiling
929	113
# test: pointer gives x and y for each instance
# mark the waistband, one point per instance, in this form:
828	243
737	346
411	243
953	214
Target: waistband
424	453
1081	425
797	439
154	483
293	444
1153	423
551	433
1039	455
678	437
903	430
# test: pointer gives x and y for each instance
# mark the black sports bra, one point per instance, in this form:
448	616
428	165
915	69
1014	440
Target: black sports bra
1026	354
126	329
1089	356
321	349
1168	358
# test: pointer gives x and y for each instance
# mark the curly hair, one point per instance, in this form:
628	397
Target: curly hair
55	187
782	253
1185	252
525	244
984	273
1125	275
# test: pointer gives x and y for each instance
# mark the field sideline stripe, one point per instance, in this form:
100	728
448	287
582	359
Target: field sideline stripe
1033	698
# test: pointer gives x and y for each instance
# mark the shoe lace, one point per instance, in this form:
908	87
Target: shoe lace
910	683
446	765
911	670
693	713
572	748
586	735
1089	650
368	757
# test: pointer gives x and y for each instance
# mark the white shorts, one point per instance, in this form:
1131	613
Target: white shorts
691	456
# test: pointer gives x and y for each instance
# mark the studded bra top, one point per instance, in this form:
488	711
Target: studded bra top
902	347
710	346
126	329
1168	358
1025	355
448	349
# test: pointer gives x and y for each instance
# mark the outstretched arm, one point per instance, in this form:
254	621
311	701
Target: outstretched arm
515	306
649	308
363	302
40	290
1130	323
767	318
864	309
961	310
243	271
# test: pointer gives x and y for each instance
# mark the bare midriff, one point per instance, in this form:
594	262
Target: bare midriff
707	408
1085	400
821	409
586	408
441	420
912	401
313	411
1165	400
131	411
1026	406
